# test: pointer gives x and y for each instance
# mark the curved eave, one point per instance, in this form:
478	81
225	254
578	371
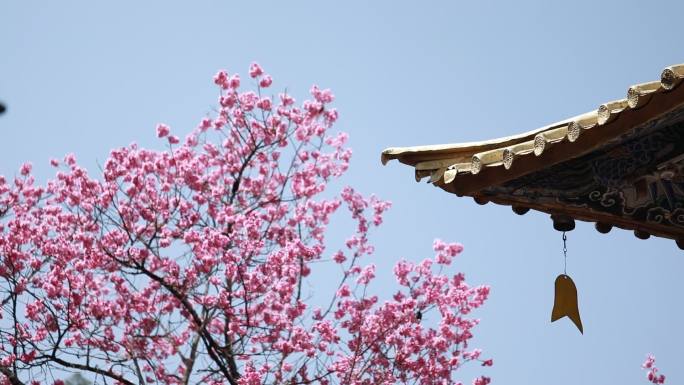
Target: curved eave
468	168
465	168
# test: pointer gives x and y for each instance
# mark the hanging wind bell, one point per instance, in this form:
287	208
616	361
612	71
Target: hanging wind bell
565	295
565	301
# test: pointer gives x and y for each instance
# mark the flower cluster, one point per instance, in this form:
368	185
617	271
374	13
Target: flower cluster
651	371
191	265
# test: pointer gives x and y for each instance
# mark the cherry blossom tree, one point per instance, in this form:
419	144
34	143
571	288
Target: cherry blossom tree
192	265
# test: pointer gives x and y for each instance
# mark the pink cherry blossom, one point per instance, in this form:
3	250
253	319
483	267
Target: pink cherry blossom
286	100
221	79
266	81
264	104
26	168
652	371
255	70
234	82
162	130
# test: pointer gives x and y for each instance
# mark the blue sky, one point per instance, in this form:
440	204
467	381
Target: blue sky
85	77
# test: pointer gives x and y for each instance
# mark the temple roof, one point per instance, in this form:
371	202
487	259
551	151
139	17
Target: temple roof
619	165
